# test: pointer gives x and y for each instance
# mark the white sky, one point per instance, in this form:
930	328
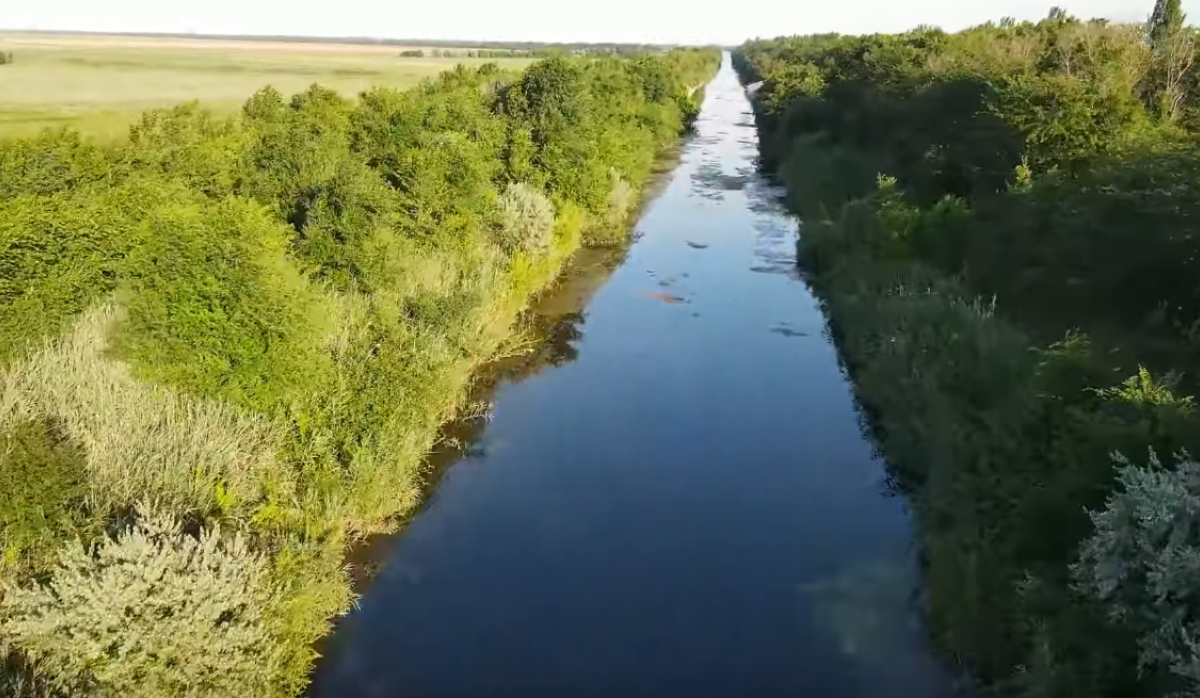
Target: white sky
667	21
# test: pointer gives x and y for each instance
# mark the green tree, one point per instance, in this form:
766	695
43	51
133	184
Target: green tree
1166	21
1174	51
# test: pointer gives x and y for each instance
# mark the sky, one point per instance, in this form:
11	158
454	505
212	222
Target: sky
649	21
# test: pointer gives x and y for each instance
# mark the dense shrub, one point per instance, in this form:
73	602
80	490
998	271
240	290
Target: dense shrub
42	490
259	324
1015	299
152	612
1142	562
138	438
215	307
526	219
51	162
62	252
188	143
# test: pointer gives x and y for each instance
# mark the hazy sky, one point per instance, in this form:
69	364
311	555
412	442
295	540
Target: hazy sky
673	21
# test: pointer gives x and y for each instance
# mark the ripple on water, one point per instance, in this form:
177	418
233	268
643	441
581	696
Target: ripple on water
711	181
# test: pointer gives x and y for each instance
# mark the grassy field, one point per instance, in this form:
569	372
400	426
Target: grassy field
100	84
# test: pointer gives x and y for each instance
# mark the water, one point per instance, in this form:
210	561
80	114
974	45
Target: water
681	504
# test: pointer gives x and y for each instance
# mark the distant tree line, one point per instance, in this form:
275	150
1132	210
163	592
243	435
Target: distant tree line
1004	224
539	51
464	53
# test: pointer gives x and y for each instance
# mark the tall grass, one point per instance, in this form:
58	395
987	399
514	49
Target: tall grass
138	437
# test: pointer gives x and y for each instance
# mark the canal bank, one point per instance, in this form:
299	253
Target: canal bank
685	507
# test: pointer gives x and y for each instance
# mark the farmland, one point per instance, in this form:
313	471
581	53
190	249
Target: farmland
99	84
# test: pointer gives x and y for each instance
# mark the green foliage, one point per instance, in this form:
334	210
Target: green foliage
193	455
188	143
60	253
52	162
216	308
260	324
1142	562
1001	223
42	476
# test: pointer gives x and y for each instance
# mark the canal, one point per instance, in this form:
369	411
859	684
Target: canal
678	502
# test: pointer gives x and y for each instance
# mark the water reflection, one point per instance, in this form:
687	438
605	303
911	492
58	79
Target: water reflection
872	613
684	506
548	336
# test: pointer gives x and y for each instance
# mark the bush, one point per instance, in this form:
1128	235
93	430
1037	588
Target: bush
216	308
1143	562
42	492
187	142
526	220
61	253
152	612
53	161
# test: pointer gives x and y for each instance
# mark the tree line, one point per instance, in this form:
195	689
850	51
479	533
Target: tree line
1002	225
546	51
227	344
465	53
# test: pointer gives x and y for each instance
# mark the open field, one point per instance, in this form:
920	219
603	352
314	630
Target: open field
99	84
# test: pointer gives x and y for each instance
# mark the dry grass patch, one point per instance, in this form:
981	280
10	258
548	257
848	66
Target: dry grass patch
142	439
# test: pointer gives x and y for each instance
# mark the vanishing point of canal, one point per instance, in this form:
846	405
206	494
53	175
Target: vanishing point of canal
681	503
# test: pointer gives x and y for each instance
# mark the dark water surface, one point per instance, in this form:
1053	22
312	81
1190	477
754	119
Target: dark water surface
680	504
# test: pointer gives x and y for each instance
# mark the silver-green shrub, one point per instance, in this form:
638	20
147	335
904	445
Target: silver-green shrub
1143	562
526	219
153	612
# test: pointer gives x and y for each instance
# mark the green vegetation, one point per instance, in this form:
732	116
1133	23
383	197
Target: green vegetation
99	85
1002	226
228	342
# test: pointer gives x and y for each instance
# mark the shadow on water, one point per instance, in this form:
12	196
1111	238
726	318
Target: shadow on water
549	332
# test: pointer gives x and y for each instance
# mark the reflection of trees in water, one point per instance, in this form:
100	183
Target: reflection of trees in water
871	611
556	349
553	339
710	181
552	328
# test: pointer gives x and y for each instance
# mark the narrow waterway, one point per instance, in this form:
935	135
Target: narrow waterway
681	504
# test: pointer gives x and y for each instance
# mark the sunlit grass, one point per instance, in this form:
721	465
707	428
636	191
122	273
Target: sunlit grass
138	437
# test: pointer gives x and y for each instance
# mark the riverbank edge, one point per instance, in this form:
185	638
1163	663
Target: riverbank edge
488	372
531	280
822	275
1036	636
481	377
